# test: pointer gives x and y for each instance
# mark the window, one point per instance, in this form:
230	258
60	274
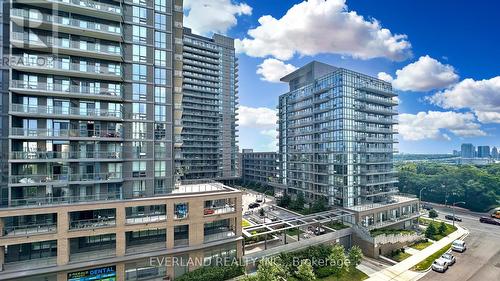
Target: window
139	53
160	168
138	169
139	92
161	21
139	72
139	34
160	58
139	111
161	150
140	2
160	76
160	95
160	113
139	188
160	39
139	149
161	5
139	130
139	14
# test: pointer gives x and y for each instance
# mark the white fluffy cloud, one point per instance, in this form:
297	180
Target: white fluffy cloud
435	124
318	26
213	16
272	134
272	69
257	117
482	97
423	75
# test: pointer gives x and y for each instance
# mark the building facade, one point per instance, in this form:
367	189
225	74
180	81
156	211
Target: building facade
90	111
207	146
467	150
336	141
494	153
259	167
483	151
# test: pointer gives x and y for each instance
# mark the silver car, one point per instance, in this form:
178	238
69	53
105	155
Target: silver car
439	265
449	258
458	246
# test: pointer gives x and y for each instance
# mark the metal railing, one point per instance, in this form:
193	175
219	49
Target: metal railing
217	210
92	4
66	133
42	62
43	155
29	229
68	44
71	89
66	110
55	19
51	200
30	178
92	223
146	218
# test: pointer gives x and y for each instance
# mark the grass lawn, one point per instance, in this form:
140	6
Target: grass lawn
421	245
377	232
400	256
449	228
353	275
425	264
245	223
336	225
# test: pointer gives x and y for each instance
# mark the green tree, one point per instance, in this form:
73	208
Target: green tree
305	271
285	200
262	212
270	270
299	201
430	231
355	255
319	205
433	214
442	228
337	260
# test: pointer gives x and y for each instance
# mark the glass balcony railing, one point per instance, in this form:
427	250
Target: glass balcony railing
66	21
70	89
55	200
47	155
66	133
59	110
149	218
219	235
29	229
33	179
40	62
92	5
92	223
67	44
218	210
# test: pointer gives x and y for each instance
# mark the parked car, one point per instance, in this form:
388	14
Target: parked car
427	207
440	265
452	218
458	246
449	258
489	220
253	205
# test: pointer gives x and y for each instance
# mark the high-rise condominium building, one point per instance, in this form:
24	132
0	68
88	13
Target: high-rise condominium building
494	153
467	150
336	141
259	167
483	151
206	144
90	95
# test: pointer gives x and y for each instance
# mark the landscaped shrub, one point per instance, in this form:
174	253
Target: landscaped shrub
213	273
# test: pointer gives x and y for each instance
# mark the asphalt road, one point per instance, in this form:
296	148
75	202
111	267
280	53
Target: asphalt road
481	260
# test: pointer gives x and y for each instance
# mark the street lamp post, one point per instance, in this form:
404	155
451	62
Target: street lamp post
453	209
420	197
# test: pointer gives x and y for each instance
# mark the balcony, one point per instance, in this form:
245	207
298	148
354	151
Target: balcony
67	25
66	112
52	200
70	156
92	247
379	100
92	223
59	90
76	134
50	65
84	7
376	109
379	181
29	229
64	178
378	89
67	47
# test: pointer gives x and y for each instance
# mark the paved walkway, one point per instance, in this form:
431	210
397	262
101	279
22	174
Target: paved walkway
402	272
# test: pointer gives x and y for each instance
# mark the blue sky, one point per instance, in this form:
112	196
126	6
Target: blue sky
442	57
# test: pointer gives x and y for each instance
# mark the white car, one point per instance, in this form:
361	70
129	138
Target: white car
440	265
449	258
458	246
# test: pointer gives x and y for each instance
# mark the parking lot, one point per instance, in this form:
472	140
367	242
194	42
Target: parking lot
481	260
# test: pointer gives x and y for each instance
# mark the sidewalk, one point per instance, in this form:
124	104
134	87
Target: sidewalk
402	272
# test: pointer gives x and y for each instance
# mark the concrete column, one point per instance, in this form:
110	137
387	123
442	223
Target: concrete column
2	224
196	259
239	218
2	257
120	243
120	272
170	226
62	276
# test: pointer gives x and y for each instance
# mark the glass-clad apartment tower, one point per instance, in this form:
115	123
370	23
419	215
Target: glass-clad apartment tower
336	135
89	95
207	147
